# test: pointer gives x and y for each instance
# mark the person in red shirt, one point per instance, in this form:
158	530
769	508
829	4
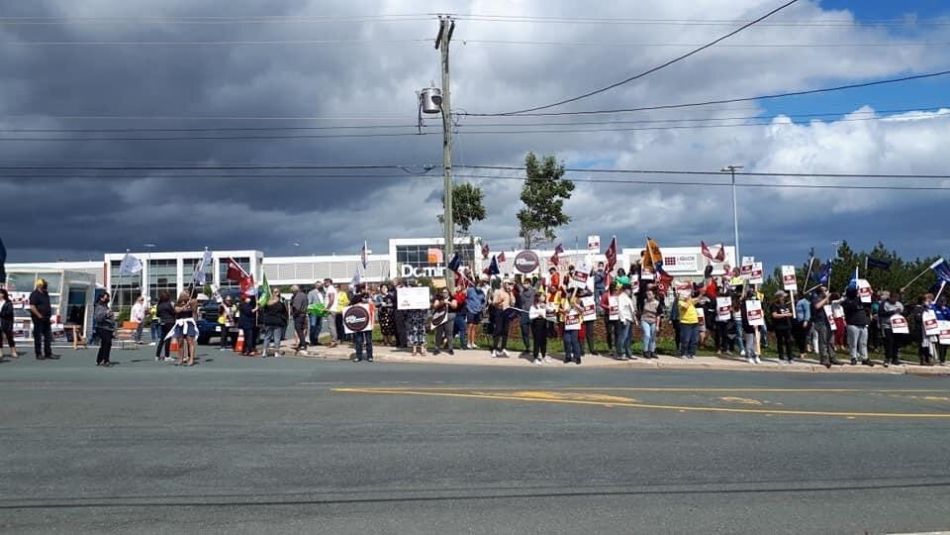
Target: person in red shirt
458	328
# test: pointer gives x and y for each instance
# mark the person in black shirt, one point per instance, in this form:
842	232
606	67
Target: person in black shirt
820	323
781	315
363	340
42	313
856	317
6	323
105	324
165	311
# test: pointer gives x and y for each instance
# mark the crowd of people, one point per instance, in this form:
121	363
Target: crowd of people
725	314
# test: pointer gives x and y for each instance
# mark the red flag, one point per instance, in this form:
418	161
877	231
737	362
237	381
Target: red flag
501	256
235	272
611	254
557	250
719	256
664	282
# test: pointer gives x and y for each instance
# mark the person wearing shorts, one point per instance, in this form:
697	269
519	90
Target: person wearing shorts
474	306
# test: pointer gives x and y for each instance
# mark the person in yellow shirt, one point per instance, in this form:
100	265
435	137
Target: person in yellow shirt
342	301
689	325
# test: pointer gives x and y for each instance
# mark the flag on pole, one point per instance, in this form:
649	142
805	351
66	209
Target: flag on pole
718	256
611	254
876	263
264	291
823	275
354	282
492	268
363	255
199	277
235	272
3	261
455	263
942	269
853	283
555	259
130	265
652	258
501	256
485	250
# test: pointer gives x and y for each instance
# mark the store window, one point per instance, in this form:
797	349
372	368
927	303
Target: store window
243	261
162	277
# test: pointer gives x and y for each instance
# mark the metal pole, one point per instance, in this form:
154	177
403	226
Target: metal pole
735	212
446	27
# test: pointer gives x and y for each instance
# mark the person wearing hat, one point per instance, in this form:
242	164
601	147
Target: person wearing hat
41	311
782	325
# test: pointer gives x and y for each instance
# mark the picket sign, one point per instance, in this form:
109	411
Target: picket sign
838	311
944	332
758	273
579	280
590	311
829	313
700	314
723	308
613	308
789	280
864	290
572	320
931	326
753	310
899	324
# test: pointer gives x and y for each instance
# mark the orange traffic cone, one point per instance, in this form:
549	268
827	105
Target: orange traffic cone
239	346
174	345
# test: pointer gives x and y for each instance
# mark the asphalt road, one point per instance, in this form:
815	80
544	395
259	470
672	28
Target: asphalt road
289	446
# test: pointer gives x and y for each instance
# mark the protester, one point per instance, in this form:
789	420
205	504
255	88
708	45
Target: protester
802	324
524	299
385	313
41	311
674	317
247	320
165	314
342	301
298	311
186	330
942	311
315	298
781	314
475	302
459	327
890	308
751	332
539	328
856	318
609	303
689	325
416	331
6	323
502	301
443	320
330	296
137	316
627	313
276	319
399	316
105	324
155	326
721	328
926	350
839	336
600	284
738	333
649	321
821	325
226	319
363	340
573	313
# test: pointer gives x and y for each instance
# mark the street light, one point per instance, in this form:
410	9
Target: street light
731	169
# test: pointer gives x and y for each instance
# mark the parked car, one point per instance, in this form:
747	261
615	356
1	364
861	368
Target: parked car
208	326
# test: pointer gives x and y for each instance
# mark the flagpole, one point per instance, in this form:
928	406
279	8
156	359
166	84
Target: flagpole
922	273
811	262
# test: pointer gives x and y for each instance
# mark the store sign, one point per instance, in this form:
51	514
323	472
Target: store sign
684	263
409	271
527	262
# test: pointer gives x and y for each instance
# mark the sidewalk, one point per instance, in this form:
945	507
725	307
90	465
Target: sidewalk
482	357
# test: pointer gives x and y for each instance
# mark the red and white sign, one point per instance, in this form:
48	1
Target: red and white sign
723	308
593	243
579	280
613	308
864	290
757	276
572	320
830	314
931	327
899	324
753	309
789	279
590	310
944	332
745	269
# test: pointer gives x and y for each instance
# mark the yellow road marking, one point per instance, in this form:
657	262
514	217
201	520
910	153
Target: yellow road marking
681	408
680	389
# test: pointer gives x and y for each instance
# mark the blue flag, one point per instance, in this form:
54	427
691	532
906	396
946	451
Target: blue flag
823	275
455	263
876	263
942	270
492	268
853	283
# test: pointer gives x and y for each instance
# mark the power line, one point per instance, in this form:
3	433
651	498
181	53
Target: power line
220	43
55	21
700	22
725	101
654	69
894	44
219	138
718	173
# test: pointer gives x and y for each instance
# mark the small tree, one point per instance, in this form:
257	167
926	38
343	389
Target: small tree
543	195
467	207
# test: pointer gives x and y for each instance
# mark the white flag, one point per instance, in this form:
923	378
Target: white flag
206	262
130	265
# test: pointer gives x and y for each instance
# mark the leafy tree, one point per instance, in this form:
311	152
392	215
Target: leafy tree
543	194
467	207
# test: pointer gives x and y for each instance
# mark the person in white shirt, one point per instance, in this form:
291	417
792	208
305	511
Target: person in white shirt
628	313
537	315
138	316
329	293
573	315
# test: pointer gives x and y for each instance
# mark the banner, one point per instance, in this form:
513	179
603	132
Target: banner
899	324
789	279
593	243
412	298
864	291
581	274
754	314
613	308
758	273
723	308
358	318
931	327
830	315
590	311
944	332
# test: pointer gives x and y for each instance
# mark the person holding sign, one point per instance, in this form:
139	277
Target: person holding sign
781	313
891	316
751	318
801	327
856	318
689	325
821	326
626	312
942	312
649	318
539	327
362	329
610	305
573	315
443	320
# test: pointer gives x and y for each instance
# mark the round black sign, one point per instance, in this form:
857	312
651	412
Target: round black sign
527	262
356	318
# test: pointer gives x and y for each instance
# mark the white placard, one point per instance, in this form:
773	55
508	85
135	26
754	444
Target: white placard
830	316
837	311
700	313
590	311
579	279
757	276
358	318
944	332
613	308
789	279
723	308
864	290
899	324
572	320
931	327
593	243
412	298
754	314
